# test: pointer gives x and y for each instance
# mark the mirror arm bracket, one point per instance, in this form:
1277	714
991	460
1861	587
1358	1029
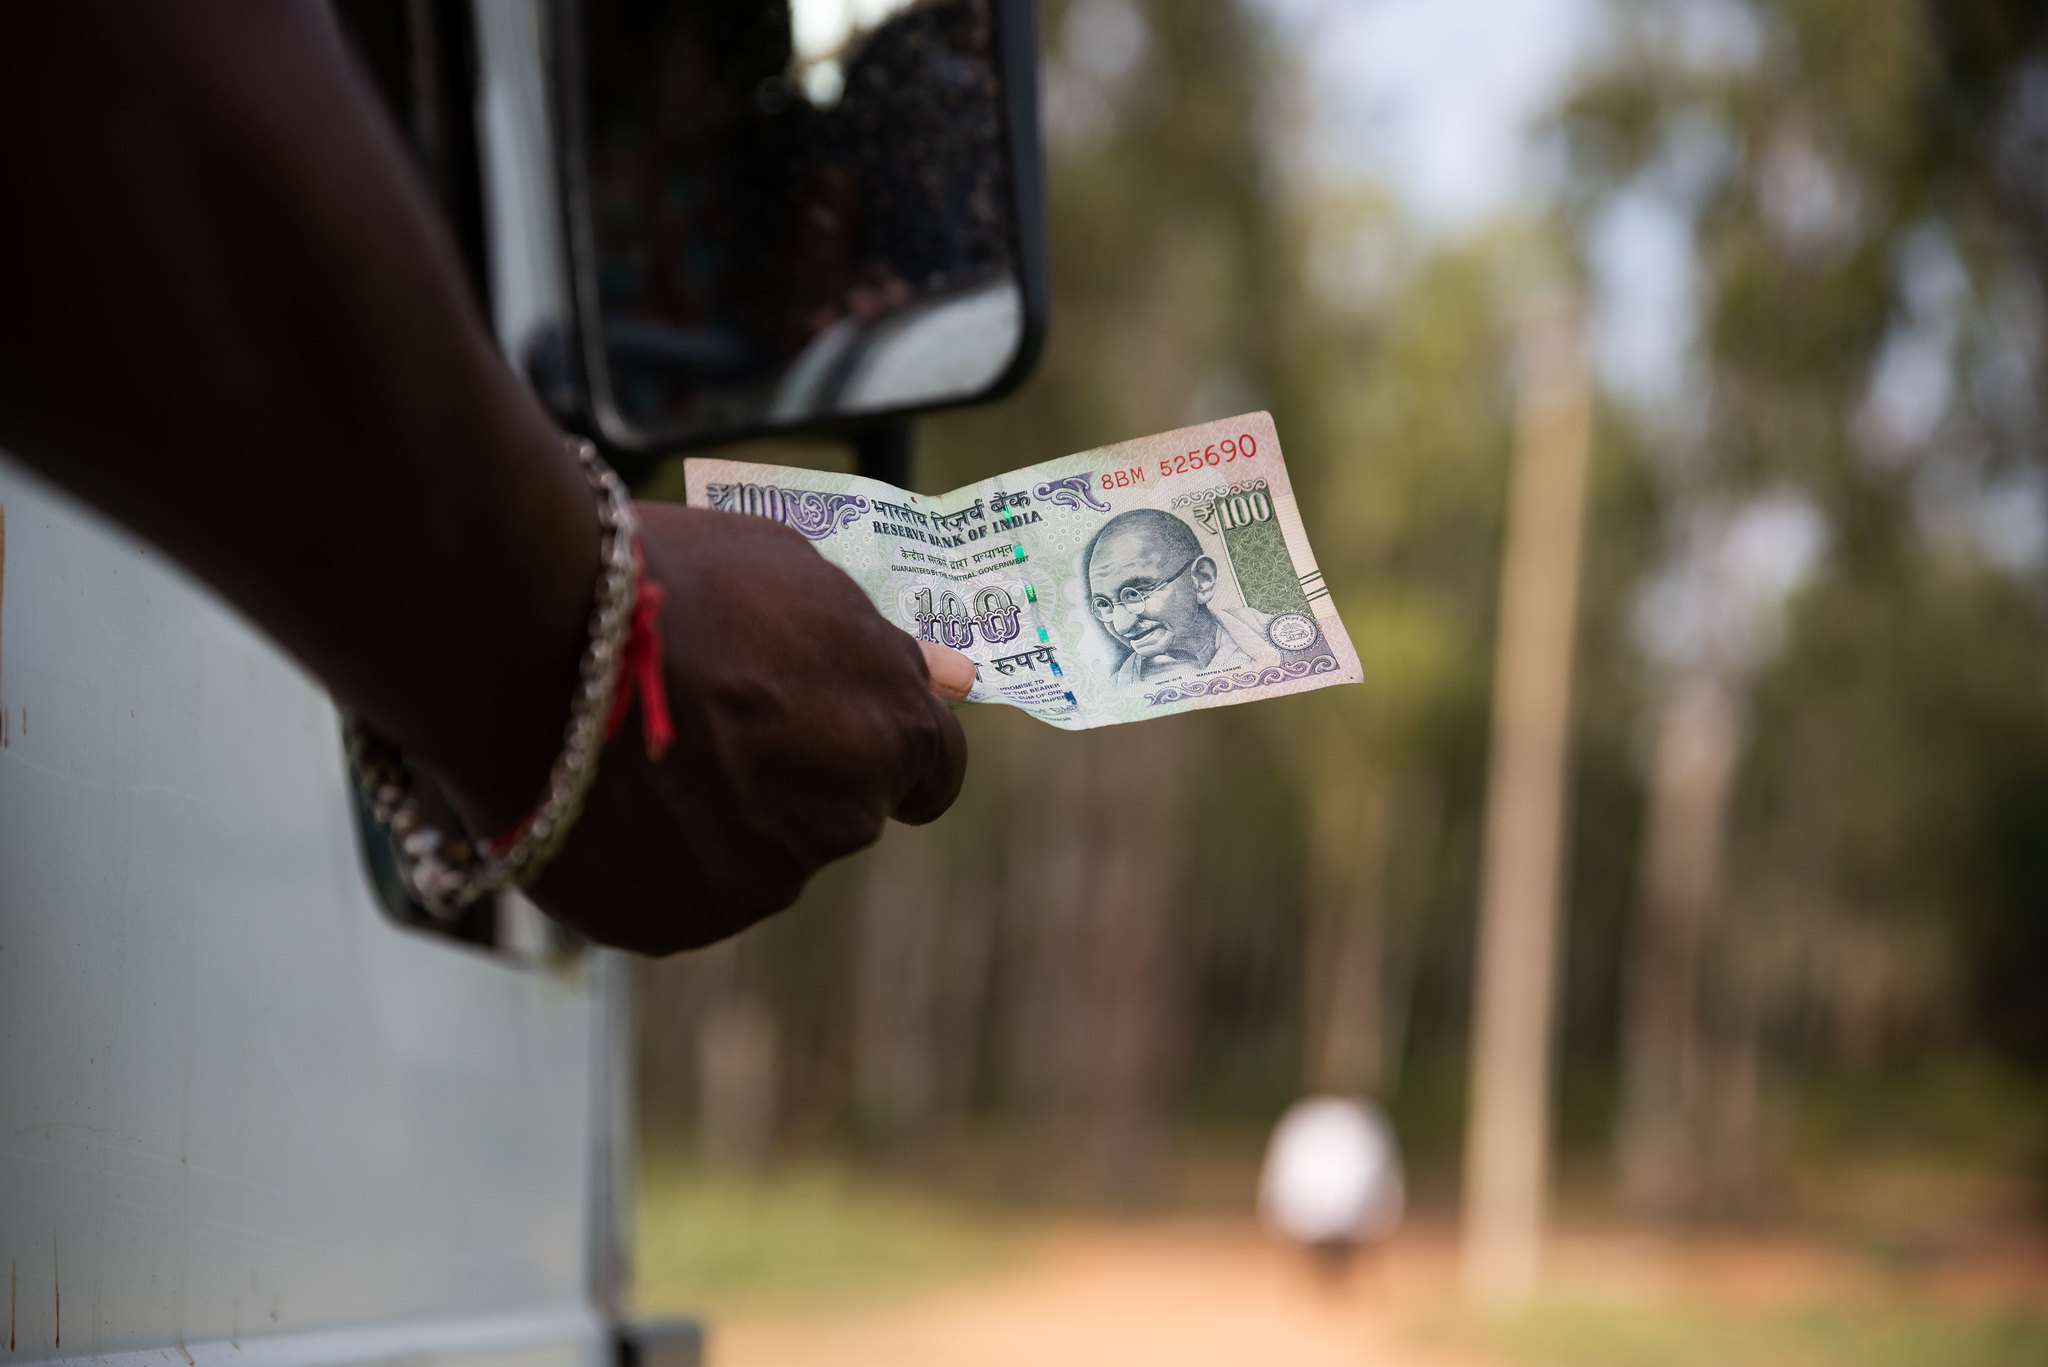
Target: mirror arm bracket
884	450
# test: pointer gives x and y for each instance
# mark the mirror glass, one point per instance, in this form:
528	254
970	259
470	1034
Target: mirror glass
798	210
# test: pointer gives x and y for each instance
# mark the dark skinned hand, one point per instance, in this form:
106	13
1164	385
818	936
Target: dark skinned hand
803	721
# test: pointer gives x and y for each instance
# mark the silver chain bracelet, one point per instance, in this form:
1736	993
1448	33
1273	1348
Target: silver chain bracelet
448	873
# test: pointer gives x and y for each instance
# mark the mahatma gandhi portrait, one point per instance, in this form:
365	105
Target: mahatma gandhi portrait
1150	586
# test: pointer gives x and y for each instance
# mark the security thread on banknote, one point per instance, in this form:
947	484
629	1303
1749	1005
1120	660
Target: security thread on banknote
1145	578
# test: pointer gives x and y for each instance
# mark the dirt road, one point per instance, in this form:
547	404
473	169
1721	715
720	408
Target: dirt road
1218	1294
1192	1294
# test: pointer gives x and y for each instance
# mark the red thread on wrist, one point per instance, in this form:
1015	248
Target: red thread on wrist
640	670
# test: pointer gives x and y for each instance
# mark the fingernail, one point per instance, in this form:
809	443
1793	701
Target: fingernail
952	673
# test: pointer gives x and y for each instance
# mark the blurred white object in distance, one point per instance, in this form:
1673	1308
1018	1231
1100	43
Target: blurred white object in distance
1332	1174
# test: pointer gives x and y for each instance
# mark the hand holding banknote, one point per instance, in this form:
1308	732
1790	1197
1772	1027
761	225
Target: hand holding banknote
803	721
809	646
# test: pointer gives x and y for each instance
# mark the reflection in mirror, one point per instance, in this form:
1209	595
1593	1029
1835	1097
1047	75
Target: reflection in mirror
799	209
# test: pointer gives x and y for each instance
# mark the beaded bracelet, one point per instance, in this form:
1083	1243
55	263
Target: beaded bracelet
448	873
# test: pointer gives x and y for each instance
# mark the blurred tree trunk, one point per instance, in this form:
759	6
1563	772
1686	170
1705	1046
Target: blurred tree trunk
1095	869
1692	764
1364	923
1344	987
710	1056
971	912
1138	916
1772	937
896	988
1415	825
685	1006
1732	1166
737	1067
668	996
923	940
1507	1139
1046	911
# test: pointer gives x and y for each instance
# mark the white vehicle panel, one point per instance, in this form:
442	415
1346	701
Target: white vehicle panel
238	1105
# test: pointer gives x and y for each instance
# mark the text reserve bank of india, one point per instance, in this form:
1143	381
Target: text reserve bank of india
1133	581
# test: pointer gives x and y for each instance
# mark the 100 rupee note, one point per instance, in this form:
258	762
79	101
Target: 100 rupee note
1141	579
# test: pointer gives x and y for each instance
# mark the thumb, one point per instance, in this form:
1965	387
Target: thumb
952	674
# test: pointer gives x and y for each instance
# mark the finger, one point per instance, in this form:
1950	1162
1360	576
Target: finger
952	674
940	783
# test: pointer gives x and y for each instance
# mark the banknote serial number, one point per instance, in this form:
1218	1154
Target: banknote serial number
1214	454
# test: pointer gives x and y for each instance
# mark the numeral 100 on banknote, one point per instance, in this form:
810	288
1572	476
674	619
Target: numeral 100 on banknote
950	623
1229	511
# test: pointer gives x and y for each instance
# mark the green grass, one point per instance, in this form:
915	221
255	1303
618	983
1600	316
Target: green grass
1817	1335
813	1236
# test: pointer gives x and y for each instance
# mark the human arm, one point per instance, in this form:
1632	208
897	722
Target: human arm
228	321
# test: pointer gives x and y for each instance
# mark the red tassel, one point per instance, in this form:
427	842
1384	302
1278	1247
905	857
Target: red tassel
642	667
640	670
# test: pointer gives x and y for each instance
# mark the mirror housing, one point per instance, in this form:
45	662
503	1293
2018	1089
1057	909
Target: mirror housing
775	227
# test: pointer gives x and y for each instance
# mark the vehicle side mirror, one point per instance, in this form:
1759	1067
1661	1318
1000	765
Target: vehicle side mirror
792	214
